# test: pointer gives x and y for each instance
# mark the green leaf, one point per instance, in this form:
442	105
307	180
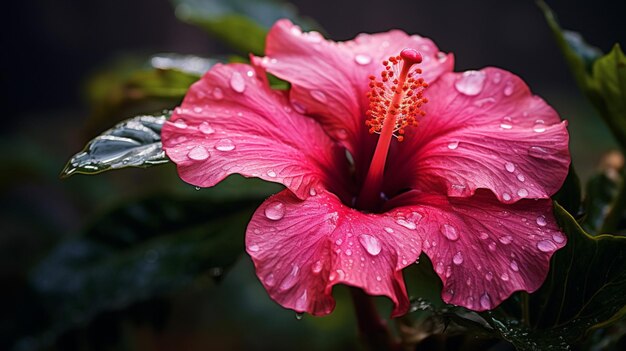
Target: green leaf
145	249
600	193
135	142
601	78
584	291
242	24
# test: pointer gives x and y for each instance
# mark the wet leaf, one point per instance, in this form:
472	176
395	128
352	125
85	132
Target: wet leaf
242	24
135	142
141	250
584	291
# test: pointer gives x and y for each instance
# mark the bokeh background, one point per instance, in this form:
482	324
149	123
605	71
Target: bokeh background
51	49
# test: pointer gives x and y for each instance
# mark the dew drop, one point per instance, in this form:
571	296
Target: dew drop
541	220
317	267
508	89
485	301
406	224
301	304
312	192
504	277
492	246
250	73
362	59
206	128
489	276
338	241
546	246
271	174
379	278
237	83
510	167
197	109
538	152
521	177
299	316
506	197
388	230
253	248
522	192
275	211
348	252
449	232
319	96
497	77
558	238
514	266
453	145
483	235
291	279
439	268
180	123
458	258
198	153
506	123
539	127
225	145
218	94
270	280
371	244
507	239
470	83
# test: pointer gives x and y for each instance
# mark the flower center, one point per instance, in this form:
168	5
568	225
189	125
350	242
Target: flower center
394	104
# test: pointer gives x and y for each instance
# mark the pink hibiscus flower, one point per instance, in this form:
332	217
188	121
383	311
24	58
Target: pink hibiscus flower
469	185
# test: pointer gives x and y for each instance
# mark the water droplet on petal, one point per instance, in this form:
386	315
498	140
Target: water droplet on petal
218	94
507	239
485	301
506	197
541	220
453	145
458	258
489	276
379	278
338	241
348	252
362	59
406	224
250	73
312	192
291	279
539	127
449	232
299	316
237	83
504	277
470	83
538	152
301	303
514	266
521	177
270	280
508	89
206	128
558	238
275	211
507	123
253	248
319	96
298	107
546	246
197	109
497	77
371	244
271	174
317	267
522	192
483	235
439	268
180	123
388	230
198	153
492	246
509	167
225	145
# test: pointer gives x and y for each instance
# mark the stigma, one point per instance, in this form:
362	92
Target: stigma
395	98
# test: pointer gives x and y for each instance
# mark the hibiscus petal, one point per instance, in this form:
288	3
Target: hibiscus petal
490	133
329	80
302	248
232	122
484	250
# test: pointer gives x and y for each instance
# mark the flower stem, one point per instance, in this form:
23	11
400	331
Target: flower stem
372	329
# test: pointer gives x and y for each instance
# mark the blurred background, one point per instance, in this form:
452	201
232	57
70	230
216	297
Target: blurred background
51	52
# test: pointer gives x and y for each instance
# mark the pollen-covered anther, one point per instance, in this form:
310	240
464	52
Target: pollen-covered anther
397	94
